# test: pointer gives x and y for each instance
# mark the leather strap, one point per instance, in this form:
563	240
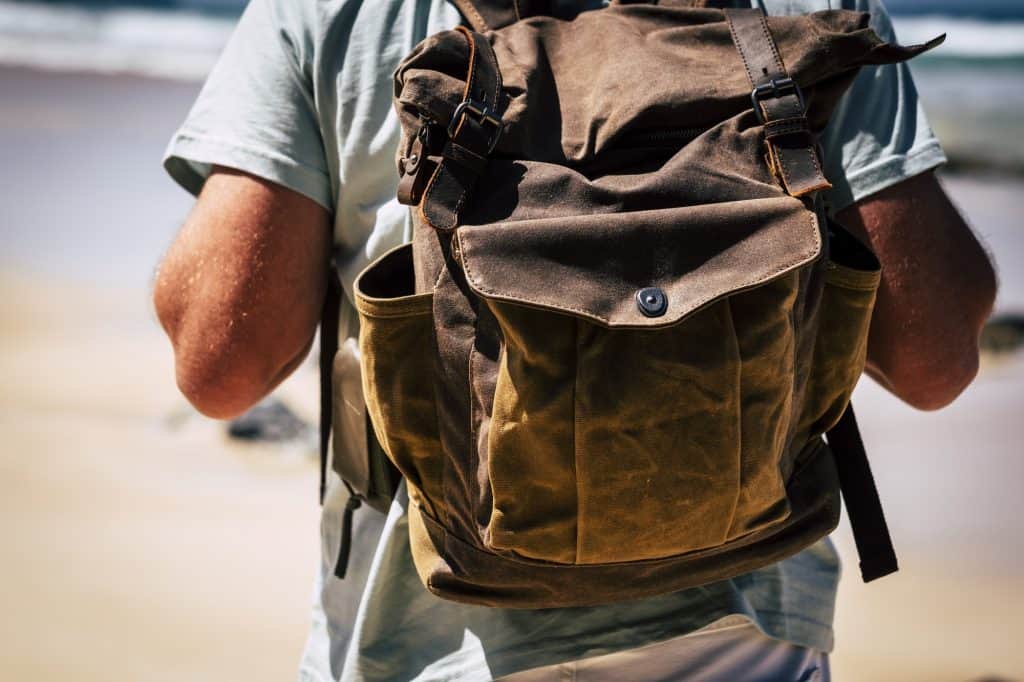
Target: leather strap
328	349
474	129
487	15
792	148
863	507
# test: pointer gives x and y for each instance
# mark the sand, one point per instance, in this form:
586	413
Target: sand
140	544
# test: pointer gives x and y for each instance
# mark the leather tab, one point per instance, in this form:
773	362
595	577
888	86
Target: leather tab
779	105
417	166
473	131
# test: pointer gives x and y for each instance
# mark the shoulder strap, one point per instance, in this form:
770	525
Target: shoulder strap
870	532
778	104
329	349
473	130
487	15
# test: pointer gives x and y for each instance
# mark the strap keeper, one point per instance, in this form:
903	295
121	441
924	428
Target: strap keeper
787	126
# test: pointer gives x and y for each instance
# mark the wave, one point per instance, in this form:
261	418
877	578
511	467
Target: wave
182	39
180	44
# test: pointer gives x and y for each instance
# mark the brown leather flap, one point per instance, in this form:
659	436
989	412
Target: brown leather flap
593	266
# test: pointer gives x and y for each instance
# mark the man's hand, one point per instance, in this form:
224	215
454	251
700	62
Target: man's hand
938	288
240	290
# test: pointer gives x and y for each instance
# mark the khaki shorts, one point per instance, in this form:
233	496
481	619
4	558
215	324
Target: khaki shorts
718	653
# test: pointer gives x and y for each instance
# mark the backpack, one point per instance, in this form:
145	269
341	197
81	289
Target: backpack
616	359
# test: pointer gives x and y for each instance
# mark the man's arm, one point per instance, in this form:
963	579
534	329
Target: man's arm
240	290
938	287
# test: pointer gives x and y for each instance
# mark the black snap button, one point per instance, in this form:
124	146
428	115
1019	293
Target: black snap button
652	301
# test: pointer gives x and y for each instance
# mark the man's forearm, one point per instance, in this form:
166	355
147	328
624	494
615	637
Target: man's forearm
239	292
938	287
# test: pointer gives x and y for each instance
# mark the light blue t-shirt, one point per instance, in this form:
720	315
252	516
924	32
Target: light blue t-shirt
302	96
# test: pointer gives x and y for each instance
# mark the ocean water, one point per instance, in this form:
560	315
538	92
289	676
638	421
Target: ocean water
973	85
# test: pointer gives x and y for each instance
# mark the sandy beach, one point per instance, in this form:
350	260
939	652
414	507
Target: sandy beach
141	544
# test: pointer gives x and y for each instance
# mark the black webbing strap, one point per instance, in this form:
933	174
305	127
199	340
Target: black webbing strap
778	103
870	532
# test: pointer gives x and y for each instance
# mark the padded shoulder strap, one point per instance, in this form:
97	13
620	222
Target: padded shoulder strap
778	103
487	15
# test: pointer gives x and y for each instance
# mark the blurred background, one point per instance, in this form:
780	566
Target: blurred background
139	541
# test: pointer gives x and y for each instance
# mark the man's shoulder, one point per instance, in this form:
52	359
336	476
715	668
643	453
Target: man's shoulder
784	7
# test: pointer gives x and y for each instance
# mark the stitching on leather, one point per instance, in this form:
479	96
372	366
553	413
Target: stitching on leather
798	260
817	165
779	162
468	90
785	126
468	7
771	43
739	48
802	189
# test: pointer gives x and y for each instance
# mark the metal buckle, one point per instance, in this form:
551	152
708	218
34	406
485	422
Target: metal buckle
774	88
483	114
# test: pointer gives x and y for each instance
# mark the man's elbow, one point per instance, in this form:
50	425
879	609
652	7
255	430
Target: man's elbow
931	382
211	370
216	382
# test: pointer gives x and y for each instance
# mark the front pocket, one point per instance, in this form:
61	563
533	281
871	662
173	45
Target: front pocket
396	343
619	433
611	445
852	276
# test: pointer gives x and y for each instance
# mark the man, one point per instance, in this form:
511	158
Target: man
290	148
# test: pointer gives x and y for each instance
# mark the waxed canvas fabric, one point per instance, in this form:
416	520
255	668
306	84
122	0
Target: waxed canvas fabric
561	447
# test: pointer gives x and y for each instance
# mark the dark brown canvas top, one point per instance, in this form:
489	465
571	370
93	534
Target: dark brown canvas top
680	71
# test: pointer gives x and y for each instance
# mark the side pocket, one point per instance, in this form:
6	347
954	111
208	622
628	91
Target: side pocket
852	277
357	456
396	344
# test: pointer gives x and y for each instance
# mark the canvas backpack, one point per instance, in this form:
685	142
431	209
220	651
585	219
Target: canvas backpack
617	357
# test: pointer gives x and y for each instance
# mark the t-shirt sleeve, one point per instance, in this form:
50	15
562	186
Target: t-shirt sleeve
257	111
878	135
